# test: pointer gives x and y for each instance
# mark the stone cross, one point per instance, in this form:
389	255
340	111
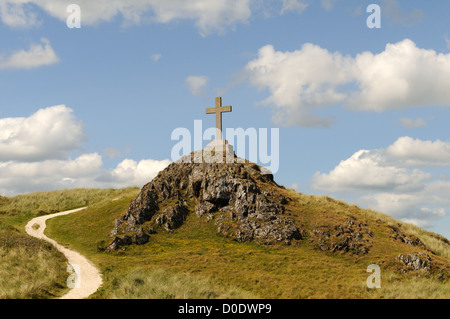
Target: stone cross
218	110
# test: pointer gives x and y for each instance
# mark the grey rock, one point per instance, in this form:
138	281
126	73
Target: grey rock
416	261
228	193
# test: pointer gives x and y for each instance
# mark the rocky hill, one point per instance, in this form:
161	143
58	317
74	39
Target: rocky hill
242	202
247	205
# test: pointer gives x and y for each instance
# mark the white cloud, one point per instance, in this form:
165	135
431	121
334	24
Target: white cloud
415	208
412	123
208	16
387	81
129	172
197	84
299	81
16	177
393	180
293	5
306	80
415	152
50	133
84	171
34	155
369	171
155	57
17	15
37	55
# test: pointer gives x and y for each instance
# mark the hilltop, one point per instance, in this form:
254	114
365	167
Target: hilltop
247	205
227	231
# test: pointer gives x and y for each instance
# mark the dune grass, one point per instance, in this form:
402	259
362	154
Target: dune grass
17	210
162	284
29	267
196	251
396	287
195	262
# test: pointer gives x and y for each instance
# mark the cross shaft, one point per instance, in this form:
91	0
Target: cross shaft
218	110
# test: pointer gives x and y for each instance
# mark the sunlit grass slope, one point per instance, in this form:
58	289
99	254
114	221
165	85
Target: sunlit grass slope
211	266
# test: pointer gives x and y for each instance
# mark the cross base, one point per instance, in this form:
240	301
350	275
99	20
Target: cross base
217	150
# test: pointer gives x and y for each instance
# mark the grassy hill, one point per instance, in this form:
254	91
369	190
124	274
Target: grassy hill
194	261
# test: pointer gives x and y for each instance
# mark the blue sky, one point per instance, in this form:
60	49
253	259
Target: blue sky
363	113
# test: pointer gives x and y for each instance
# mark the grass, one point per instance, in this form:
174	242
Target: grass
195	262
298	271
29	268
19	209
162	284
32	268
410	288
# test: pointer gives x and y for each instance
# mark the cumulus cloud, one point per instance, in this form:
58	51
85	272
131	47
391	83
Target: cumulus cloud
415	208
394	180
35	155
17	177
414	152
129	172
369	171
303	81
36	56
84	171
197	84
50	133
208	16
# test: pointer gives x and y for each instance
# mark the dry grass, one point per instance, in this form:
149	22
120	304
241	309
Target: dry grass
395	287
162	284
29	268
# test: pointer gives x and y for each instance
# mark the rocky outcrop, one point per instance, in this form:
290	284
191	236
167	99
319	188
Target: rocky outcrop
422	263
352	236
409	240
241	201
416	261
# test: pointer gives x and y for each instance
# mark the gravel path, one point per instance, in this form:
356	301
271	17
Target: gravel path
89	276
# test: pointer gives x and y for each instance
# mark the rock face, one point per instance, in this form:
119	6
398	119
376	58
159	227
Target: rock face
416	261
238	198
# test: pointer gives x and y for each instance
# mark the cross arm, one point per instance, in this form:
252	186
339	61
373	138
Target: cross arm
222	109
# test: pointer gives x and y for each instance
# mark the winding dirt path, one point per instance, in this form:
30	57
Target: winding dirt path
89	276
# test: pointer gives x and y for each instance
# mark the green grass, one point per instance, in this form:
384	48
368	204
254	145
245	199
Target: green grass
196	262
32	268
298	271
19	209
